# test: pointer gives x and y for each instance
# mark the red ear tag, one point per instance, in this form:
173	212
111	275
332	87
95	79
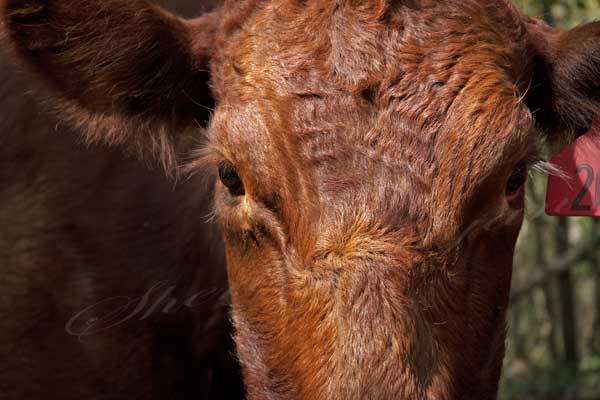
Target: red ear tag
577	192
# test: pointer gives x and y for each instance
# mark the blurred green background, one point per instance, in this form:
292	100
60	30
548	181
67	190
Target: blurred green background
554	321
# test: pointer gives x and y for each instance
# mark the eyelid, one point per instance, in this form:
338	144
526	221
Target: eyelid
528	153
527	147
202	159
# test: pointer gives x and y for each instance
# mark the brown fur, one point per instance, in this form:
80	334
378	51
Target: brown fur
81	225
370	255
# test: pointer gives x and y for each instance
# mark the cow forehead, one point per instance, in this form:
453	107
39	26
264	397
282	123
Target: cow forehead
404	116
374	72
293	46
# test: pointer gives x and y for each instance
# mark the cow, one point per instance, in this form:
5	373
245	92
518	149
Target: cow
358	166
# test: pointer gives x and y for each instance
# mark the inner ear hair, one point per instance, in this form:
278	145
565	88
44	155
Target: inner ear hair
125	71
565	90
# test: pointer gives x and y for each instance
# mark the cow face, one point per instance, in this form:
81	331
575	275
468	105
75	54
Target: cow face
371	159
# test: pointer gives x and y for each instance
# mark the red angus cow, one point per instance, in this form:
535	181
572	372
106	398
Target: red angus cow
371	158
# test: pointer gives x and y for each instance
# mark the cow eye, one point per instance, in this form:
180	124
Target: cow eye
230	178
517	180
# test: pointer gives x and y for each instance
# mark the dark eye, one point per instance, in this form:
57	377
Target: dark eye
230	178
517	180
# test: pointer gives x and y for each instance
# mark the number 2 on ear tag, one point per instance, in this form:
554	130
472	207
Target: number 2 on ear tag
576	191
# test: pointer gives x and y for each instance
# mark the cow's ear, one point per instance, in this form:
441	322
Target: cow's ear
564	94
127	71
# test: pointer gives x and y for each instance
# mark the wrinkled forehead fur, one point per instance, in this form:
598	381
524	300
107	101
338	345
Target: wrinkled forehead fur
321	94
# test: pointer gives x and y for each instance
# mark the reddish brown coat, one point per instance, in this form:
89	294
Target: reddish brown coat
371	156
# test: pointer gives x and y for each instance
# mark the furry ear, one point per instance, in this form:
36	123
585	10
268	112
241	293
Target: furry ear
127	71
565	89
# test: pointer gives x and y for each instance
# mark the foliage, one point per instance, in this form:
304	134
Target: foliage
563	13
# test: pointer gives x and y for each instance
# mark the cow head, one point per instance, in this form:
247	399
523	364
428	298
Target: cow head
371	155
